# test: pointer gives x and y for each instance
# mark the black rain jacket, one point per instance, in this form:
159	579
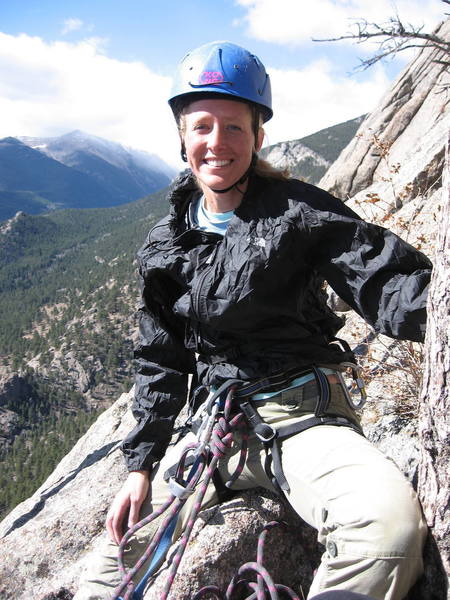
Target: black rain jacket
252	303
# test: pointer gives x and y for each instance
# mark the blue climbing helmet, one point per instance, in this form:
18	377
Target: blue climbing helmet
221	68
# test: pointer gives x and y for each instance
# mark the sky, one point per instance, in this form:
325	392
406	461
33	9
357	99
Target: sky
106	66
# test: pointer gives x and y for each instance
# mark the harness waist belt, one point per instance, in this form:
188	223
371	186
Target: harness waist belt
298	382
279	381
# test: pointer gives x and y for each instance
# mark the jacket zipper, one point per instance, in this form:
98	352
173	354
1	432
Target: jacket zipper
196	295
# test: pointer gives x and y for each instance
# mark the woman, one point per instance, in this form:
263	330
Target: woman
232	288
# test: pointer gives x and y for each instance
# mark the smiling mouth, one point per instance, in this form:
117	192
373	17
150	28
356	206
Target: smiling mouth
217	163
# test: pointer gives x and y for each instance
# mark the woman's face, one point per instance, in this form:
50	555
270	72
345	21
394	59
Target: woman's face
219	141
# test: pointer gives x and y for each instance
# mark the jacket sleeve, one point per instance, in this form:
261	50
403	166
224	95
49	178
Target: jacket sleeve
382	277
163	365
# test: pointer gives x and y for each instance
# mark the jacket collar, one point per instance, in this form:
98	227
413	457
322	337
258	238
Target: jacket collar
180	195
185	188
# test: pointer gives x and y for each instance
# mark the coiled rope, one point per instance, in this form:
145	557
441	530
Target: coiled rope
264	588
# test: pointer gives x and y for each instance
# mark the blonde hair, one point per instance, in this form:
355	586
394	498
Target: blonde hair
263	168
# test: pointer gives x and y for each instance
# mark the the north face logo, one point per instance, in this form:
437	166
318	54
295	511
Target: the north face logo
257	241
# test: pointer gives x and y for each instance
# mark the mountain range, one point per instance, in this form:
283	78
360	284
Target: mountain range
78	170
75	170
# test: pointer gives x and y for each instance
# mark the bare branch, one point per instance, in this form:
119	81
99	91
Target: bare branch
393	37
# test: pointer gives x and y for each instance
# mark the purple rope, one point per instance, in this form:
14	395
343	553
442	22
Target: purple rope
148	554
264	583
260	551
262	572
128	575
287	591
221	439
209	589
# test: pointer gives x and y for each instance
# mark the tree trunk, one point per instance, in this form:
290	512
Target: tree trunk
434	437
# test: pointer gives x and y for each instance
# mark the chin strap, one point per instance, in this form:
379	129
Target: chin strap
244	177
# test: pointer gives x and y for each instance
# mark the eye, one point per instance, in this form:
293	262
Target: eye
233	127
200	127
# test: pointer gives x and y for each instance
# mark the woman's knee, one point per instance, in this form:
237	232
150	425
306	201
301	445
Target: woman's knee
395	527
379	555
377	515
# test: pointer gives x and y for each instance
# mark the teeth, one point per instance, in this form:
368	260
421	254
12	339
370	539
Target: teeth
218	163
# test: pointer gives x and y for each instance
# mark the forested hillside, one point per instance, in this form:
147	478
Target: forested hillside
68	291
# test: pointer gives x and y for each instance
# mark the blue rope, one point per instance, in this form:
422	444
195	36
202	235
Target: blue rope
158	557
162	548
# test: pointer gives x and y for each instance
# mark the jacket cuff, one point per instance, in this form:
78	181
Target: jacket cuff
139	464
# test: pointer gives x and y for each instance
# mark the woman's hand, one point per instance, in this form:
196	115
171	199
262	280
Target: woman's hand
128	500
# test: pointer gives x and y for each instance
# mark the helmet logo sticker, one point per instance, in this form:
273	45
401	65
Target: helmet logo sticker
211	77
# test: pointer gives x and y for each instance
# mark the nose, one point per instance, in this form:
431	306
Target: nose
216	138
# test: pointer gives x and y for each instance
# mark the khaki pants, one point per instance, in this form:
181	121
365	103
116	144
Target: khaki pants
366	513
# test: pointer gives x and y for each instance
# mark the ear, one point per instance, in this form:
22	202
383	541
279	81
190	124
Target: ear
183	147
259	141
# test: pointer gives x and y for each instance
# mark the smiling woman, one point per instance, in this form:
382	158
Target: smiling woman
232	294
221	98
218	137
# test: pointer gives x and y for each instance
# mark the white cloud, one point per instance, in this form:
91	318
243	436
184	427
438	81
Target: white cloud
71	24
51	88
297	21
315	97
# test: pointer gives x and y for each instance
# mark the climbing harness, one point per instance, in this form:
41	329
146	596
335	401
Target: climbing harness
269	435
227	410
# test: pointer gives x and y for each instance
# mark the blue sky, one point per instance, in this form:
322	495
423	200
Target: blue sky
105	66
158	33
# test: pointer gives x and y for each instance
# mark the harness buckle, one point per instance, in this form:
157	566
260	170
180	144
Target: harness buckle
357	385
179	490
266	433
